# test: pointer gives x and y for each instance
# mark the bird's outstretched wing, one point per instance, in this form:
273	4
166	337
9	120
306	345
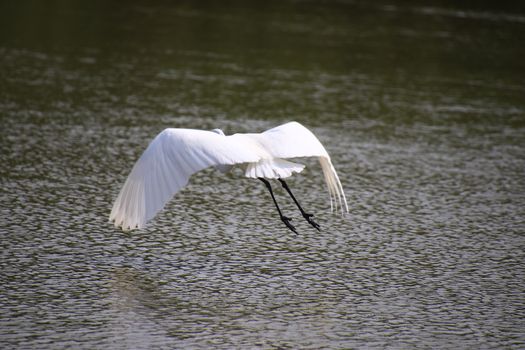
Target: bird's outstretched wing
166	166
292	140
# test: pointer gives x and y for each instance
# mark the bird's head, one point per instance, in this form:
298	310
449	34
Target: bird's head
223	168
218	131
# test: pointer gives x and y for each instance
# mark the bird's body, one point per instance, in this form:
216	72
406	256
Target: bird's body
175	154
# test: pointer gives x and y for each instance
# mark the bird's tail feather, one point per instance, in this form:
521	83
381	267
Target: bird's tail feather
274	168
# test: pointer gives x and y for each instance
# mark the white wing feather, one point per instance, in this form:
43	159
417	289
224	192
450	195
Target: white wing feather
293	140
166	166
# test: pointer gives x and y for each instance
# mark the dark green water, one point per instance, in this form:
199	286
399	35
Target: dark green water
420	104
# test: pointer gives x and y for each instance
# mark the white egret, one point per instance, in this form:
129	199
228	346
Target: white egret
175	154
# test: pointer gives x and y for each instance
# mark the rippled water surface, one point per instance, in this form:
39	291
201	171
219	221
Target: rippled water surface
421	107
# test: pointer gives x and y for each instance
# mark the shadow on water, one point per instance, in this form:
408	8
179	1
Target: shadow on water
419	105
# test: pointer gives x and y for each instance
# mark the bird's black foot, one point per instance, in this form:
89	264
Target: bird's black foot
286	221
309	218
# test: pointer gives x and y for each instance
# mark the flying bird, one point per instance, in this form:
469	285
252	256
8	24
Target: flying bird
174	155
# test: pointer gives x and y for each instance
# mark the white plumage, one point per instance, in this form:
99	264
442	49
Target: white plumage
175	154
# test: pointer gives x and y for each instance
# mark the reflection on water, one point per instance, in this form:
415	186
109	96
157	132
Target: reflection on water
421	108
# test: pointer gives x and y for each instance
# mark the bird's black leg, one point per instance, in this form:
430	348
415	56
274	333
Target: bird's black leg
308	217
283	218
